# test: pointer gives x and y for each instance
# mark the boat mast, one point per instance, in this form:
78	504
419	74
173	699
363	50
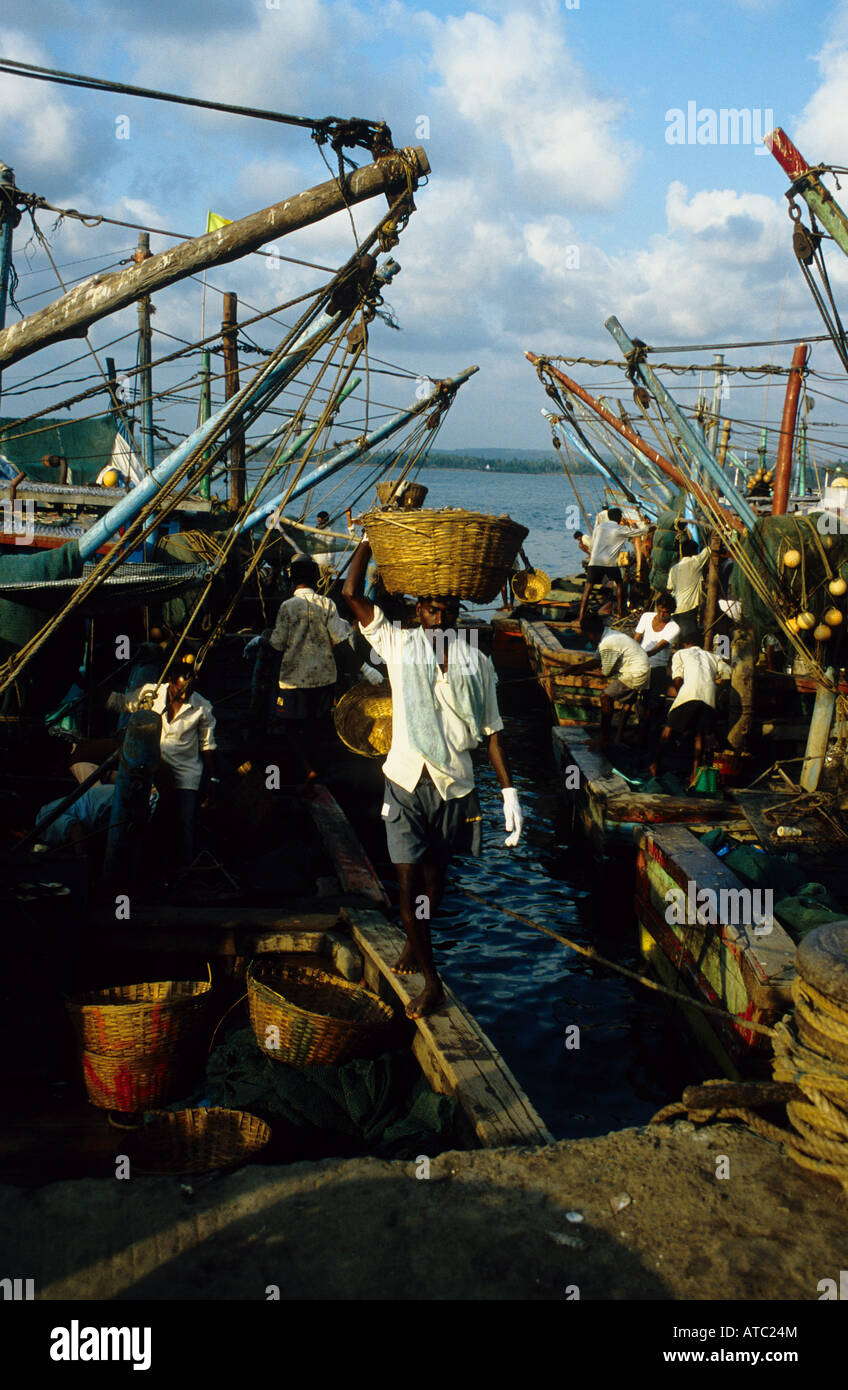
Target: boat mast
229	332
145	358
9	218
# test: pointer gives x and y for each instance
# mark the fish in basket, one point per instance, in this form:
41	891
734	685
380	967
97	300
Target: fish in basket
466	555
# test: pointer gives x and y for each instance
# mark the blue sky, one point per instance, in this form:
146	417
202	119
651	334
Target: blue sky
547	132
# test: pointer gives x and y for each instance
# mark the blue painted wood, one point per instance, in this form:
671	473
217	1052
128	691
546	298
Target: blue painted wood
687	431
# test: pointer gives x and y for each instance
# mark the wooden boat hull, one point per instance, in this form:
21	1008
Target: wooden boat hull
723	963
607	808
574	699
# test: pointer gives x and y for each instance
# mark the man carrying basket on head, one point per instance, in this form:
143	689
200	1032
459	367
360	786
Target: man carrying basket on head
443	705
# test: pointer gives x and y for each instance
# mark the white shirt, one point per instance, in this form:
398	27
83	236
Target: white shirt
684	580
404	765
699	670
607	539
308	626
624	658
190	733
652	639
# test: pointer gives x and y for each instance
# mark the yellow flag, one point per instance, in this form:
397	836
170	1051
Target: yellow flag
214	221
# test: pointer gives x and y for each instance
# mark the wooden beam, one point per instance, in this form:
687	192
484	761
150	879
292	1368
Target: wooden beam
452	1050
72	315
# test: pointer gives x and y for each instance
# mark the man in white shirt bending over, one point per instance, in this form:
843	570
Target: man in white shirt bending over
607	539
694	675
684	584
443	705
625	665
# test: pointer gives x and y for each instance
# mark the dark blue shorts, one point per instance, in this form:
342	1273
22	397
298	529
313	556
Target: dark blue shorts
420	825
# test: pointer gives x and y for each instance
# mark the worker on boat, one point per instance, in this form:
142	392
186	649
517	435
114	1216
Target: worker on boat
307	630
623	662
324	559
695	676
684	584
186	747
607	539
84	818
443	705
657	633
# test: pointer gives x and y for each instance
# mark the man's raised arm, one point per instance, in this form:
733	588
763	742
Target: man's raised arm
354	586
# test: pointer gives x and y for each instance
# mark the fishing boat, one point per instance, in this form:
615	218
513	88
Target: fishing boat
686	901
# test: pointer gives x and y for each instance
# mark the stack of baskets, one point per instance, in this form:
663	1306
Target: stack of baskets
449	552
308	1018
140	1044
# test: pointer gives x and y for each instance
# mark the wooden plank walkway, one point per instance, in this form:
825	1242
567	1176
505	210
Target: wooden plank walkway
456	1056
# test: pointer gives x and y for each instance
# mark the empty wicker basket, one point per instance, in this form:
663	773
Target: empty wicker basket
467	555
144	1019
308	1018
530	586
363	719
196	1141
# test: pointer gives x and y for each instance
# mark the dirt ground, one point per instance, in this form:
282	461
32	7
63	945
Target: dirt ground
640	1214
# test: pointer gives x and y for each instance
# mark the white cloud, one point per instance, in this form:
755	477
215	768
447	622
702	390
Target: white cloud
38	124
519	89
822	131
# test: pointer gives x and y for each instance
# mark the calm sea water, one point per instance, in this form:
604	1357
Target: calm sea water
525	989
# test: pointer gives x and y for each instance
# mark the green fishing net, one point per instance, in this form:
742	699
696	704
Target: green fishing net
667	539
793	589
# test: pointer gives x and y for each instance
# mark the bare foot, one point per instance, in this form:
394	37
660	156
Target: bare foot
431	996
406	963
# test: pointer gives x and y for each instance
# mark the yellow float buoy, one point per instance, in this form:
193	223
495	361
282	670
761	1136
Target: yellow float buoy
822	633
792	559
806	621
837	587
188	659
833	617
111	478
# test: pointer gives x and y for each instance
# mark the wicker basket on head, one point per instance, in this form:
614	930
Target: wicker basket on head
449	552
363	719
140	1020
410	498
530	586
317	1019
138	1083
196	1141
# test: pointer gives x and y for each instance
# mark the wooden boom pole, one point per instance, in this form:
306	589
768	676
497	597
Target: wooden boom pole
72	315
783	467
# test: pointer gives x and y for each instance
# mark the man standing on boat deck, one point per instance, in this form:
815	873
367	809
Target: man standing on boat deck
443	705
684	585
607	539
